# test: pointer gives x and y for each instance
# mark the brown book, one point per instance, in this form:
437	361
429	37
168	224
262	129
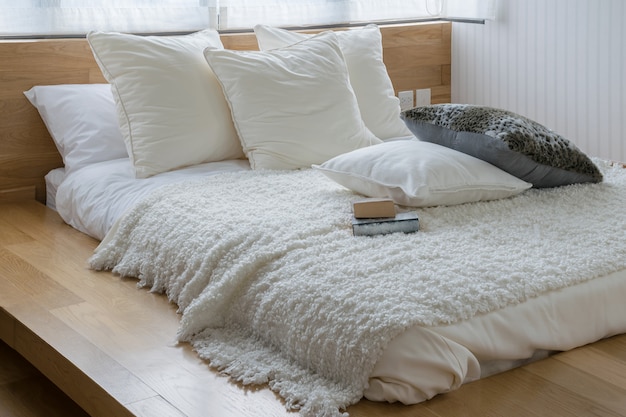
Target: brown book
374	208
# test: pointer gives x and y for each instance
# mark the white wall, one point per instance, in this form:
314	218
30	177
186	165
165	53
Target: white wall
559	62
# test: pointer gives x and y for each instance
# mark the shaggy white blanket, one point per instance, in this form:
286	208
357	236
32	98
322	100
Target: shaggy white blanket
274	288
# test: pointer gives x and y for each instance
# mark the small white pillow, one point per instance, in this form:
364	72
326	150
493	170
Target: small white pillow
363	52
421	174
82	121
171	109
294	106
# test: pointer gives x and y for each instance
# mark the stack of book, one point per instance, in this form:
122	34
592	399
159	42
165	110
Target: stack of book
378	217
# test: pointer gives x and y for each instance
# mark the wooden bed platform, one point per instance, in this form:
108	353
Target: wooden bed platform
111	347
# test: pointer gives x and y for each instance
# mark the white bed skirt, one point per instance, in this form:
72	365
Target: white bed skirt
498	341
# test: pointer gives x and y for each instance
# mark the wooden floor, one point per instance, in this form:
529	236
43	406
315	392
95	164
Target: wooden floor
25	392
110	347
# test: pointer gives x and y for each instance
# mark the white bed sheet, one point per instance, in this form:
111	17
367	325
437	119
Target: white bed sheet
53	179
422	362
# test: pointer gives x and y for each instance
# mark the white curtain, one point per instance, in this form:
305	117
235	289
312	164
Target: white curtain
77	17
235	14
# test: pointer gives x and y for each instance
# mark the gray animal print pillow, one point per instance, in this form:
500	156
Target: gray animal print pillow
513	143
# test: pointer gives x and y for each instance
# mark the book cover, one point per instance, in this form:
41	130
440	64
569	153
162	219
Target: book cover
403	222
374	208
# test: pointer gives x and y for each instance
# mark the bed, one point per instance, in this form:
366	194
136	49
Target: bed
472	336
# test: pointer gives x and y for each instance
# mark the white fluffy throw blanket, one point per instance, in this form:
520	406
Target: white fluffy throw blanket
273	288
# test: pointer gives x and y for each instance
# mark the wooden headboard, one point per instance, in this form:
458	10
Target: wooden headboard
416	56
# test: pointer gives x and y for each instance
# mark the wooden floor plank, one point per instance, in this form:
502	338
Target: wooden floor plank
91	378
147	348
25	392
584	385
596	362
24	280
495	396
11	234
155	406
614	346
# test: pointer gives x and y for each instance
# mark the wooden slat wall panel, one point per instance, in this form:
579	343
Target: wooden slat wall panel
18	194
416	56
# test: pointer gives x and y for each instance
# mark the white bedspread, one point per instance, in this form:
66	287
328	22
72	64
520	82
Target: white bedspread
274	288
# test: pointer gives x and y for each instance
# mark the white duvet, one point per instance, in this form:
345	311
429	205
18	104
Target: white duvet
92	199
468	263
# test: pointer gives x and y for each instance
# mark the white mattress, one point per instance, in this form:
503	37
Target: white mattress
422	362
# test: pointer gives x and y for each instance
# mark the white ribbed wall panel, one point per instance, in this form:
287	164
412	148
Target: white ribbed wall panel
559	62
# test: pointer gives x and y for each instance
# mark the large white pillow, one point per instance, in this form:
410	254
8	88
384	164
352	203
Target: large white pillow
82	121
363	52
171	109
421	174
293	106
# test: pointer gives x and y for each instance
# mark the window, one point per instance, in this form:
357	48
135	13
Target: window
77	17
34	18
235	14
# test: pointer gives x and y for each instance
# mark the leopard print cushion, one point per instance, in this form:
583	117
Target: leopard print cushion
514	143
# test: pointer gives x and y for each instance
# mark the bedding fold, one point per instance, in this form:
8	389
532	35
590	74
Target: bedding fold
273	287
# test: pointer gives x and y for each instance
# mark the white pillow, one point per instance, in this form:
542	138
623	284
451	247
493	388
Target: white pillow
82	121
363	52
294	106
421	174
171	109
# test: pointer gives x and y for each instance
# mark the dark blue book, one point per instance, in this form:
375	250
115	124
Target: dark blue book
403	222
